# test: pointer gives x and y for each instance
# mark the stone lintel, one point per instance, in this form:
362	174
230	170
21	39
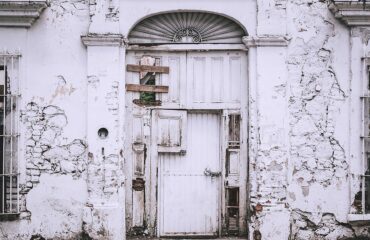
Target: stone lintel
352	13
20	13
266	41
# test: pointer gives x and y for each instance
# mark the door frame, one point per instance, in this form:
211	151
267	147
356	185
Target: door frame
152	169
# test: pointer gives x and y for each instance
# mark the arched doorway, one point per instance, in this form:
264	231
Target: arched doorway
186	147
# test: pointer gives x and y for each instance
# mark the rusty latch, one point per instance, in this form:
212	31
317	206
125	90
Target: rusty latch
209	173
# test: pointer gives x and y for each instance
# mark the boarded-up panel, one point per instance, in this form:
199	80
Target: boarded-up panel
189	198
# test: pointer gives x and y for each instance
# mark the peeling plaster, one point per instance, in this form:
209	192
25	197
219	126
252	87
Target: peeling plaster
44	151
307	226
315	100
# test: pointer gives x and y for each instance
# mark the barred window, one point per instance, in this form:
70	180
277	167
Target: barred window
363	197
9	125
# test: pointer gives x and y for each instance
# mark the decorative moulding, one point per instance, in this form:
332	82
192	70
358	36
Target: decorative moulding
265	41
20	13
103	40
352	12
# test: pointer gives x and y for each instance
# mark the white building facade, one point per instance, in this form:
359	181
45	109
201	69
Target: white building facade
184	119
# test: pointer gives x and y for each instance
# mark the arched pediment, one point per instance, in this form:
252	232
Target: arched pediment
186	27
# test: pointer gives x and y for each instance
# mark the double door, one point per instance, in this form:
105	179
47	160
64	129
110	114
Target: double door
184	159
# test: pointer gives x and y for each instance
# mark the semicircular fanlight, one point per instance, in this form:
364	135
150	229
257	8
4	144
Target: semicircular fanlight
186	27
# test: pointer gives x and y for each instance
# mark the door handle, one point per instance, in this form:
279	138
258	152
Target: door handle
209	173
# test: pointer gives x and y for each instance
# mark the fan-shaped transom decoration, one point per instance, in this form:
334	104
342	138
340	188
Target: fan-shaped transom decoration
187	35
186	27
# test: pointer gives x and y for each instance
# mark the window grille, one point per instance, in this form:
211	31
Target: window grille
234	131
9	125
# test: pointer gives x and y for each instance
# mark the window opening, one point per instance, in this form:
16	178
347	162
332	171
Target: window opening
233	149
9	188
234	131
368	78
232	210
362	199
150	79
232	174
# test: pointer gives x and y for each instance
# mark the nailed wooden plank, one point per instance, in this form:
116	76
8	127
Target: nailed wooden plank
146	88
140	102
147	68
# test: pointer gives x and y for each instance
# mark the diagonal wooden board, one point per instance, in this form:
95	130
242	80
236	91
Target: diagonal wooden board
146	88
147	68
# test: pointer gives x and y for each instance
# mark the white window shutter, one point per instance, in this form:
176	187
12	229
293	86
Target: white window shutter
171	130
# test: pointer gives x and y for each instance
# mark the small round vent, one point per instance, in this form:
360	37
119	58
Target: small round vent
186	27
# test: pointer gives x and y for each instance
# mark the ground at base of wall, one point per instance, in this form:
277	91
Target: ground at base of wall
178	238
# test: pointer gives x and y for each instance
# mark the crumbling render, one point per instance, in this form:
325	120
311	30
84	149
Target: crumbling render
307	226
44	153
316	98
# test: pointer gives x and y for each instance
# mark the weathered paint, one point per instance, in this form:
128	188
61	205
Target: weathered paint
303	117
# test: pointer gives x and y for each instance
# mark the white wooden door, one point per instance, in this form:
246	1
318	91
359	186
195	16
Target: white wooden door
189	181
172	153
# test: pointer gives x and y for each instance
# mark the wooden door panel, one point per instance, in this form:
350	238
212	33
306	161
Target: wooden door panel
189	199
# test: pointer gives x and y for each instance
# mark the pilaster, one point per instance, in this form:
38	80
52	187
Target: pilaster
104	212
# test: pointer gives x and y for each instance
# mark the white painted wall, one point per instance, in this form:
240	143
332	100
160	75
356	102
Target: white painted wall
304	116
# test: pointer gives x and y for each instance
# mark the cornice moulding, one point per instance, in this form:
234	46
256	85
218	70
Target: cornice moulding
20	13
352	13
103	40
265	41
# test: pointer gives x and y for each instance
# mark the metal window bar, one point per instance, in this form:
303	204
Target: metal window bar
365	139
9	125
232	210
